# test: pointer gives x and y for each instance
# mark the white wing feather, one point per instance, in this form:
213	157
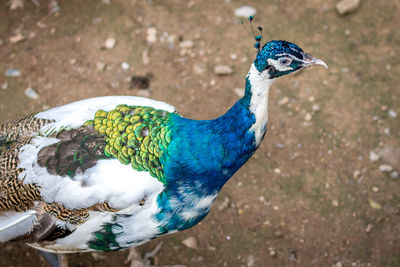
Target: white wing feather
75	114
13	224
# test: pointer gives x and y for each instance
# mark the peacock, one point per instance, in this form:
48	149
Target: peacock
111	173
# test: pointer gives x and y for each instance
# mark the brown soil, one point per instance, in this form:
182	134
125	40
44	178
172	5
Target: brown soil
304	199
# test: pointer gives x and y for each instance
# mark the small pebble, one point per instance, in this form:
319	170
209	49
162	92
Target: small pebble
308	117
17	38
369	228
224	204
145	57
347	6
385	168
15	4
386	131
12	73
53	6
190	242
315	107
339	264
251	261
277	170
110	43
272	252
373	157
245	11
394	174
278	234
283	101
151	35
101	65
233	56
356	174
373	204
392	113
223	70
125	66
31	93
280	145
186	44
335	203
4	86
375	189
211	248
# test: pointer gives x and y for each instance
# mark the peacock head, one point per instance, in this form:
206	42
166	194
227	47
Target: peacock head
279	58
282	57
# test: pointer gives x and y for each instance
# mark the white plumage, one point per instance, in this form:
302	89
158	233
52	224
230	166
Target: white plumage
75	114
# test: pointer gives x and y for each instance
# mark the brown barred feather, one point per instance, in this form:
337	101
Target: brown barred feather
75	216
24	127
14	194
17	196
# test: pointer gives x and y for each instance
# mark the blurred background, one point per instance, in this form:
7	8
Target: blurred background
322	190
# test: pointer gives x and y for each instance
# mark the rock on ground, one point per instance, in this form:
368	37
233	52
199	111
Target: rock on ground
373	156
31	93
347	6
190	242
151	35
385	168
223	70
12	73
245	11
110	43
186	44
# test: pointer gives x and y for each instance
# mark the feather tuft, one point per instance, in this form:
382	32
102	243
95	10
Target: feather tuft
14	224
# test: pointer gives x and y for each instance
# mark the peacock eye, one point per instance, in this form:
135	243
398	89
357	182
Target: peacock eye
285	61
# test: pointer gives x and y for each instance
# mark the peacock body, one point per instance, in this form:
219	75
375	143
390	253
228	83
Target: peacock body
113	172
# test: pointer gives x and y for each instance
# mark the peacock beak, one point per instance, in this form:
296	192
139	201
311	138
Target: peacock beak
308	61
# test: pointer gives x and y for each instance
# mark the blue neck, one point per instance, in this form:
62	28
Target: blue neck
207	153
200	159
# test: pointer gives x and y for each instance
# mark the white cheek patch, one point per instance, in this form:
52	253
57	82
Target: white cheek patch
278	66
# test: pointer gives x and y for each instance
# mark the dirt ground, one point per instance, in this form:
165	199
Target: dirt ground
311	195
